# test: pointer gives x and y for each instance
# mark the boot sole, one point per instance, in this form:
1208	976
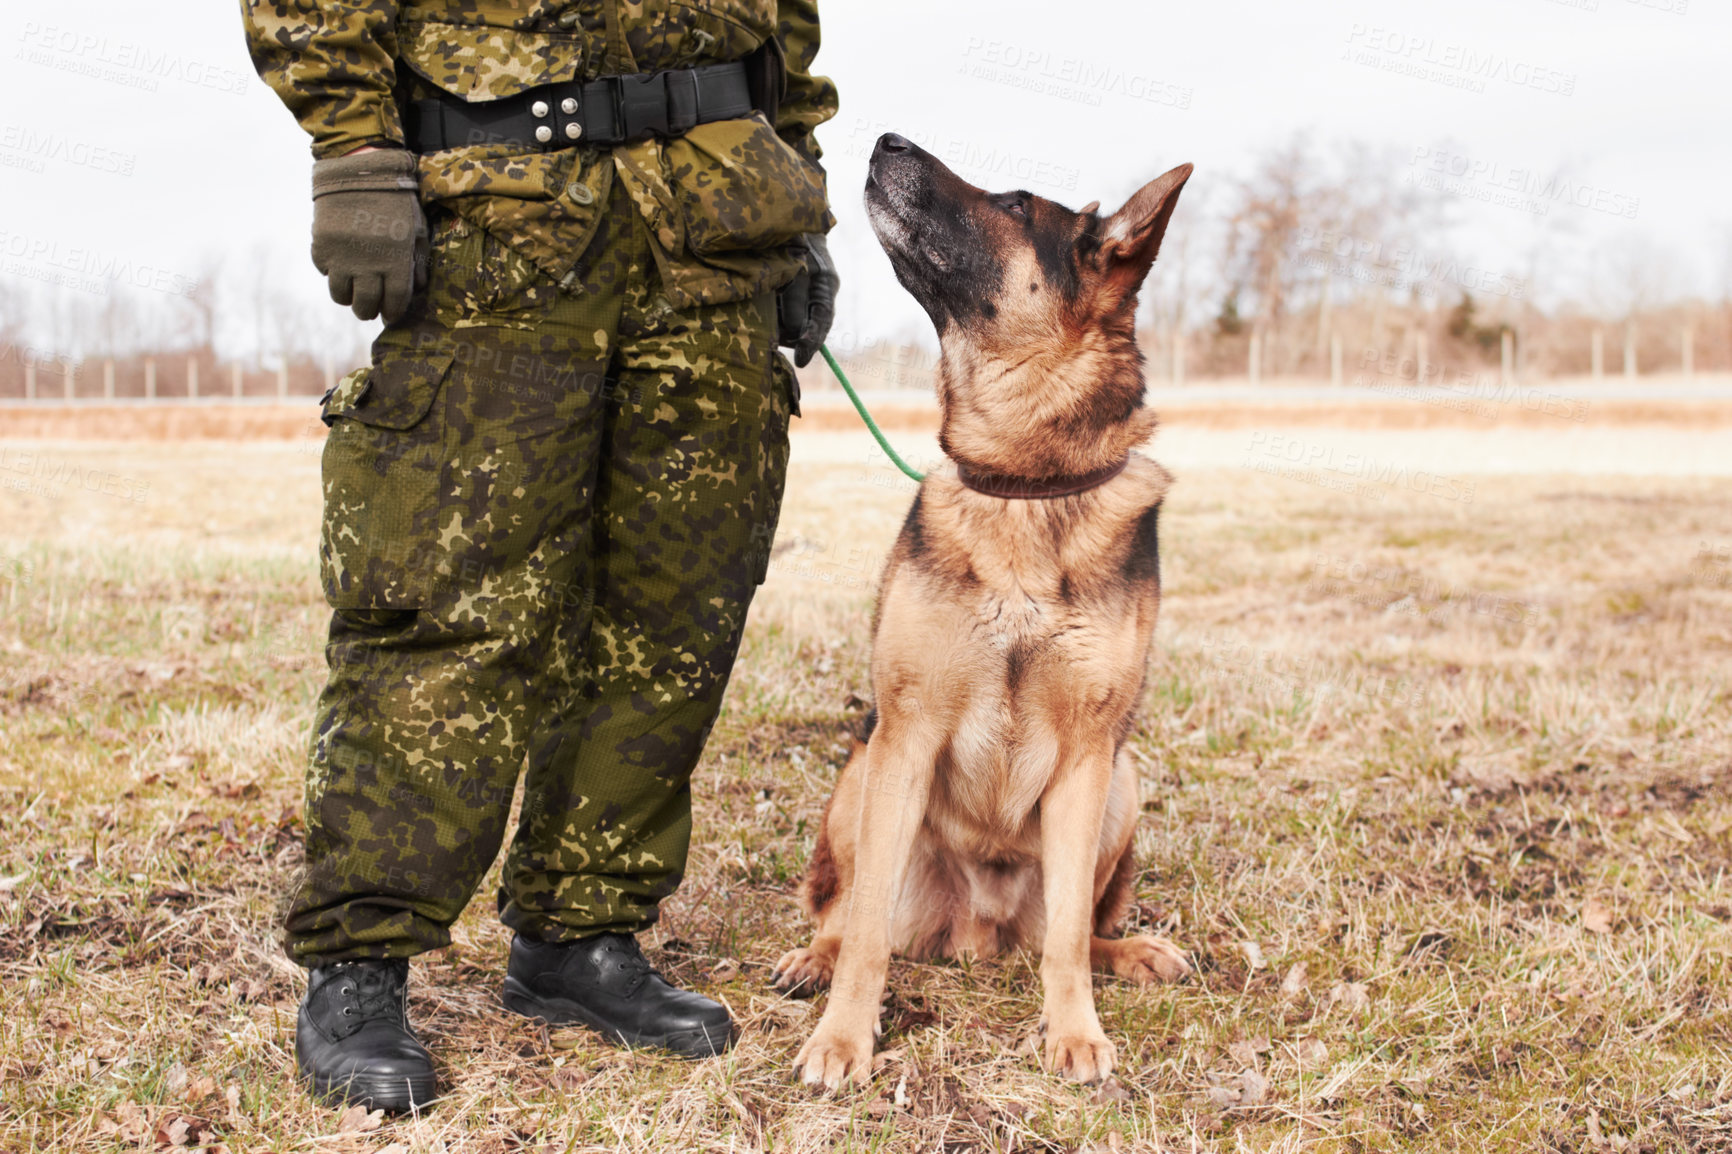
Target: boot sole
394	1094
698	1043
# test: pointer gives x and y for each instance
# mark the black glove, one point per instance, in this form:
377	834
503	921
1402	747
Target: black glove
807	306
369	235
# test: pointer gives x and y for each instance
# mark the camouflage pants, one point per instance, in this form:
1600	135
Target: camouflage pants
546	513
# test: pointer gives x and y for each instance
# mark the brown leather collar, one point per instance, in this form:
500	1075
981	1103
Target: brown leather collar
1014	488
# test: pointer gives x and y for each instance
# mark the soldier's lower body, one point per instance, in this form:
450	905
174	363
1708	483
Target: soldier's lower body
546	513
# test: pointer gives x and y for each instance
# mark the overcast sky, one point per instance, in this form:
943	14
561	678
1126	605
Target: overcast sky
131	137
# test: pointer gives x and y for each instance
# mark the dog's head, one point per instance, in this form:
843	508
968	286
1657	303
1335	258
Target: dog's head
1009	265
1034	303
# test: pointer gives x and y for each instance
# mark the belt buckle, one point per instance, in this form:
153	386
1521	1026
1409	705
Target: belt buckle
643	105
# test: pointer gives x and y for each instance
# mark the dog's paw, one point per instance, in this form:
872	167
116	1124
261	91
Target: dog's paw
1145	959
802	973
831	1057
1082	1057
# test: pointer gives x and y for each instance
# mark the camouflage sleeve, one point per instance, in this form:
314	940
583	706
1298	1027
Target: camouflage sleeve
331	62
811	100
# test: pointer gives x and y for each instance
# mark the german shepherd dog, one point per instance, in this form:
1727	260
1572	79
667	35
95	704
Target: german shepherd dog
992	804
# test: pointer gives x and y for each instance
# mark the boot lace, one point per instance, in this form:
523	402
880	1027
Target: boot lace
375	991
624	952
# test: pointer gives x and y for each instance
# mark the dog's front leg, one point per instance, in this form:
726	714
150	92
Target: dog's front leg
899	763
1071	811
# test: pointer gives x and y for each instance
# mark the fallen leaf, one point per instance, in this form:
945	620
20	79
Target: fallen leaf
1253	955
1245	1052
1311	1052
1224	1097
1351	996
568	1039
726	970
173	1133
1596	918
568	1078
1294	983
200	1089
1253	1088
8	884
1111	1091
133	1124
357	1120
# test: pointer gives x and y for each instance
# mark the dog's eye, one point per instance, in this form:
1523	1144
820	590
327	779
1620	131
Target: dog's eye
1017	207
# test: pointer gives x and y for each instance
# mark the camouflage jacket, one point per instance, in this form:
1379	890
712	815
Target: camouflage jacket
722	202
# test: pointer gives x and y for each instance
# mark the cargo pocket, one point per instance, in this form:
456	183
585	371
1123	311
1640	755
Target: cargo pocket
478	276
379	547
740	188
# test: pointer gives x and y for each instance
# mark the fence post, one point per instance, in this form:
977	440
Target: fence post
1508	350
71	385
1422	356
1630	349
108	379
330	374
30	380
150	379
192	376
1254	368
1335	359
1689	351
1179	358
283	380
1599	354
235	378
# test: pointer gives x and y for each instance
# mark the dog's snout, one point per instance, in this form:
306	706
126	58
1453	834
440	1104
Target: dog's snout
891	142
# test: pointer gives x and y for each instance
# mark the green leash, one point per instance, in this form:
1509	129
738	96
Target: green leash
860	407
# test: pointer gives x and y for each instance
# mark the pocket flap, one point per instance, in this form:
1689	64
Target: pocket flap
395	393
482	62
742	188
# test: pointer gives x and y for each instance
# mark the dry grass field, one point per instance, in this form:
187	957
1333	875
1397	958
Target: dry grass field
1438	795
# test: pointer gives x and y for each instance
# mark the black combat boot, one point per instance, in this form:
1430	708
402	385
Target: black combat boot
606	983
352	1038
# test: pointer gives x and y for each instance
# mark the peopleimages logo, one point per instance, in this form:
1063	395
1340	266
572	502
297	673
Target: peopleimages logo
48	474
1459	174
137	65
38	148
1399	265
1067	77
979	163
94	270
1298	459
1456	65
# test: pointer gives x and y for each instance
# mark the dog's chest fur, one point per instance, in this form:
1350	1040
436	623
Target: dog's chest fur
1044	611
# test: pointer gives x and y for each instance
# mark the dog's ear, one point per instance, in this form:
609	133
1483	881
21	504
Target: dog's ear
1131	237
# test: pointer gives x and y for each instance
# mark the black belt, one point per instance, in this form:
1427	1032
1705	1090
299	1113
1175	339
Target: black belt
607	111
